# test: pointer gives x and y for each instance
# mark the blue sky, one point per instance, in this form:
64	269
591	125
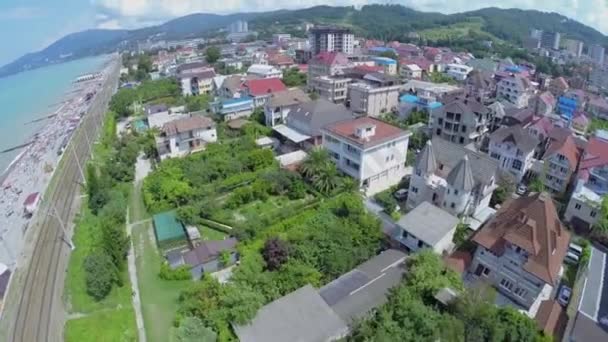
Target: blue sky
30	25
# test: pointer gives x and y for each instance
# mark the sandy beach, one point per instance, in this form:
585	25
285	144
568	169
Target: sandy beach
31	171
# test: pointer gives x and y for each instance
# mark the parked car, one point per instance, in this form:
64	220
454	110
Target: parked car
522	190
400	194
564	295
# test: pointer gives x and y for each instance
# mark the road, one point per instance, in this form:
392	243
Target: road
38	313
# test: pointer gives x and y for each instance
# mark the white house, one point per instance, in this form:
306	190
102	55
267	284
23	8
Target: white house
457	179
427	226
369	150
264	71
411	71
197	83
281	103
184	136
513	147
459	72
515	89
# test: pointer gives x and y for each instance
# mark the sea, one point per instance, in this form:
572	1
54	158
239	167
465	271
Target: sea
32	95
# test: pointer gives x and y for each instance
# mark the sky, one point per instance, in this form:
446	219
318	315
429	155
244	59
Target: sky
31	25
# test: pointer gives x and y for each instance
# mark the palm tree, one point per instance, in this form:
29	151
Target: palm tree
348	184
317	159
326	179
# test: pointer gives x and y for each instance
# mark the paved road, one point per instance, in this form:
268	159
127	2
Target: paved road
39	314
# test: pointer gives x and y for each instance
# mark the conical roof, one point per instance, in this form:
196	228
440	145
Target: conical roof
461	176
426	160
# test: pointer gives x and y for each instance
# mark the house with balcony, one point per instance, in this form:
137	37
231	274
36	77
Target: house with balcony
458	72
375	95
543	104
327	64
559	164
281	103
462	121
369	150
184	136
513	148
591	183
264	71
521	250
234	108
515	89
332	88
389	66
197	83
411	71
457	179
480	85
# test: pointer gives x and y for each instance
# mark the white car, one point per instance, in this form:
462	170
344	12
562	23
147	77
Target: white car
522	189
564	295
400	194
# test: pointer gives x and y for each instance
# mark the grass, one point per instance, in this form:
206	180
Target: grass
569	274
137	209
111	326
454	31
211	234
159	297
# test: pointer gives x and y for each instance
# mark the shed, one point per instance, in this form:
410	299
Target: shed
427	226
169	231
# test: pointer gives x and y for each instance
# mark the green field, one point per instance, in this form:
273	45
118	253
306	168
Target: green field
211	234
454	31
103	326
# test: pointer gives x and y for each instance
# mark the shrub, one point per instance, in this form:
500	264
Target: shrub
276	253
179	273
387	201
100	275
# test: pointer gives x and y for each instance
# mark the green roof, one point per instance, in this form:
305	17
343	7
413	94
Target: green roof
168	227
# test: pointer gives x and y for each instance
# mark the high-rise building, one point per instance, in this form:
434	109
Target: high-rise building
331	39
597	53
239	26
550	40
573	46
534	33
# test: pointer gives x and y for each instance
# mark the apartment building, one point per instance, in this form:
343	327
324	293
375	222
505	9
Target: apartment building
599	77
462	121
597	54
458	72
196	82
184	136
559	164
264	71
281	103
375	95
515	89
521	250
591	185
369	150
334	89
452	177
480	85
558	86
331	39
389	66
513	147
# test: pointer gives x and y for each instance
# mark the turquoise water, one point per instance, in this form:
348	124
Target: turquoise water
34	94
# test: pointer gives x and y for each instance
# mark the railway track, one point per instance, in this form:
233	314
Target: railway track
40	301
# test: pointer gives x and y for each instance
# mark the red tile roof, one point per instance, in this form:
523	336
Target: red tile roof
531	223
369	68
459	261
264	86
596	154
280	60
551	319
384	132
566	147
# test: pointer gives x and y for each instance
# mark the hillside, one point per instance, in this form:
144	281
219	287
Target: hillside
385	22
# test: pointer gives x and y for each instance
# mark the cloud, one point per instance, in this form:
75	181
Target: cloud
20	13
133	13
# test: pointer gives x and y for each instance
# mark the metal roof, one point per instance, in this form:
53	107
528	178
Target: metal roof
291	134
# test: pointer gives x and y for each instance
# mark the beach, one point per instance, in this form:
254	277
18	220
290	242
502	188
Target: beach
31	171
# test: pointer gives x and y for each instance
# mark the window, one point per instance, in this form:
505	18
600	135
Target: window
520	292
464	129
486	271
448	191
577	206
440	121
593	213
420	244
517	164
404	234
418	172
461	140
438	132
495	155
560	157
456	192
506	284
453	205
415	190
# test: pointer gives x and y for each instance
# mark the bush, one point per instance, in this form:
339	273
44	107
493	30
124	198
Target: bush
387	201
276	253
100	275
179	273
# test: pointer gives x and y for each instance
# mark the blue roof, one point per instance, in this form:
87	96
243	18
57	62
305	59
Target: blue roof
409	98
229	102
382	49
140	125
384	60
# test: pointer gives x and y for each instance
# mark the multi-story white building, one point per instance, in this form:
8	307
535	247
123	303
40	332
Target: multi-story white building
334	89
369	150
521	250
410	71
513	147
597	54
462	121
591	185
515	89
454	178
599	77
264	71
281	104
330	39
184	136
459	72
559	164
375	95
327	64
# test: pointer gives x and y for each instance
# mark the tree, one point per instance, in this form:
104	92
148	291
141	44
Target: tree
276	253
316	160
602	225
418	140
212	54
506	187
192	329
294	78
100	275
242	303
462	233
326	179
537	185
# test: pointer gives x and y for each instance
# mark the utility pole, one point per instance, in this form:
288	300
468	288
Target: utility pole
65	237
84	180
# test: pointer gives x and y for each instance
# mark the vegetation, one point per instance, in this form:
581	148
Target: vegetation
193	330
166	90
387	200
212	54
321	172
463	231
294	78
275	253
438	77
536	185
506	188
179	273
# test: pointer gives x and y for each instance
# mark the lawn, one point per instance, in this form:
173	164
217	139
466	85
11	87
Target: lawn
272	207
159	297
103	326
137	209
211	234
453	31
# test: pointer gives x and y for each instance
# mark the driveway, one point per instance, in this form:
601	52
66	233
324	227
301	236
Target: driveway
388	225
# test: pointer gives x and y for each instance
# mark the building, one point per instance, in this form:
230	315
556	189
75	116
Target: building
598	107
559	164
334	89
575	47
424	103
584	207
590	320
331	39
184	136
480	85
513	147
375	95
234	108
462	121
426	226
303	129
262	89
458	72
326	64
279	105
264	71
369	150
411	71
281	62
599	77
454	178
238	26
279	38
197	83
515	89
597	54
558	86
521	250
569	103
439	91
542	104
550	40
388	65
204	257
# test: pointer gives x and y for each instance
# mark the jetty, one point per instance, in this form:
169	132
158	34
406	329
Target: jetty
17	147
